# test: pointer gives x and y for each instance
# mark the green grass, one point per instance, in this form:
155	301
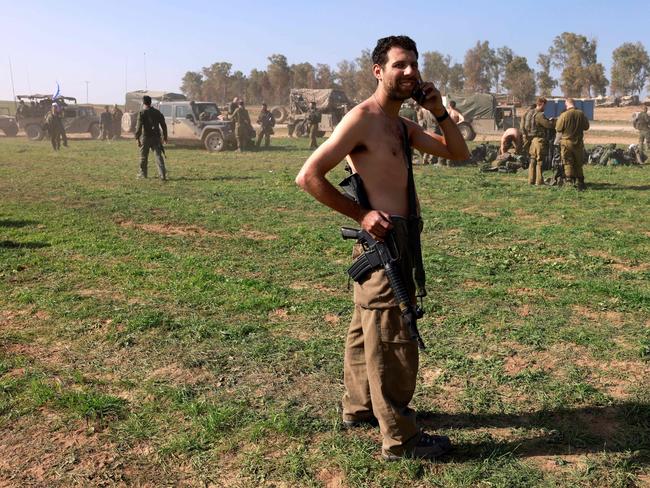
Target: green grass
193	331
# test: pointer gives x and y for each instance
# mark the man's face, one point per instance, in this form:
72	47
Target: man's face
400	74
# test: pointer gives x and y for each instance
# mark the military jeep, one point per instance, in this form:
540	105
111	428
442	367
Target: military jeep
8	123
77	119
193	123
332	105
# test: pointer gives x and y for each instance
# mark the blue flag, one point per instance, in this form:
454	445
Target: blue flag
58	92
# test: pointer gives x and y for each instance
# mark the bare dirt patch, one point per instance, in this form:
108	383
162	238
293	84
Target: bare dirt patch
302	285
178	375
257	235
174	230
330	478
279	313
332	318
609	316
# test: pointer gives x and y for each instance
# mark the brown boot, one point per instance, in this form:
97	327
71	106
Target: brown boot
427	447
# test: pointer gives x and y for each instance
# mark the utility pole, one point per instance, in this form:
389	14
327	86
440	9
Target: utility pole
13	89
86	82
146	87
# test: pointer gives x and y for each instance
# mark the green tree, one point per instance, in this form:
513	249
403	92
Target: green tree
500	60
477	67
279	77
325	77
545	81
435	68
346	74
192	84
216	78
303	75
365	81
519	79
576	56
456	78
630	69
259	88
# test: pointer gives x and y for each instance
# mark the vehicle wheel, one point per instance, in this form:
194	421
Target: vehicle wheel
128	122
11	131
214	142
280	114
301	130
34	132
467	131
94	131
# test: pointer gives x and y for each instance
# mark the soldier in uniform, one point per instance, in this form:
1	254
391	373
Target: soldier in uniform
266	120
313	118
242	123
291	125
117	122
54	124
525	125
572	124
234	105
642	124
106	124
539	143
148	127
21	110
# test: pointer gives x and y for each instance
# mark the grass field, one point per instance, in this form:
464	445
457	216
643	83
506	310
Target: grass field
191	333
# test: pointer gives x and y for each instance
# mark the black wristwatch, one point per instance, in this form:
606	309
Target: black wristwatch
442	117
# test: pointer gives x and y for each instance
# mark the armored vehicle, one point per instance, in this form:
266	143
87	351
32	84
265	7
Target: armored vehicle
77	119
190	122
482	114
8	123
332	104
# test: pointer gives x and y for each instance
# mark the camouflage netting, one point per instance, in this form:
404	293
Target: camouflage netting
326	99
476	106
133	101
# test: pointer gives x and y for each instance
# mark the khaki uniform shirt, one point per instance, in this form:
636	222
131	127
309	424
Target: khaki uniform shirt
572	124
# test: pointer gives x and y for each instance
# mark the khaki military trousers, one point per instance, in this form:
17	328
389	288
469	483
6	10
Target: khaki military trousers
381	361
313	133
573	159
153	144
644	138
538	150
263	134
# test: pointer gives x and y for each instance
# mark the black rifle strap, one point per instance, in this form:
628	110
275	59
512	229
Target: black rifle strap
414	218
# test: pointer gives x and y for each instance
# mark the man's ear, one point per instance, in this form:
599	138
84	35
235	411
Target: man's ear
376	71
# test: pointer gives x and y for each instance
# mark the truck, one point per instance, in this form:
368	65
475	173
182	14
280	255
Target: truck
8	124
332	104
133	104
482	114
77	119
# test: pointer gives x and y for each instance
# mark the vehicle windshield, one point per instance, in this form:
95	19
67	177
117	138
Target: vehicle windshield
207	111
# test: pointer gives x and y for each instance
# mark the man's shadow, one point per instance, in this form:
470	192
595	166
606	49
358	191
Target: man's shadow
623	427
215	178
10	223
615	186
22	245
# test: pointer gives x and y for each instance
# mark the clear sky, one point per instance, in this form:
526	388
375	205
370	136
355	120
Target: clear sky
104	42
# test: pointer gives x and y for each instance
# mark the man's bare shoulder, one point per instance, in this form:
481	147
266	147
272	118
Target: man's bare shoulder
360	113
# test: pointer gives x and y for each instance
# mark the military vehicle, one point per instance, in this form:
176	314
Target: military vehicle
190	122
332	104
133	104
8	124
482	114
77	119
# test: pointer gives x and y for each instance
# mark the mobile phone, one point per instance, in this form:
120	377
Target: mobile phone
418	94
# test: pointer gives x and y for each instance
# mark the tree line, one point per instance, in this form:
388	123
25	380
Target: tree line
484	69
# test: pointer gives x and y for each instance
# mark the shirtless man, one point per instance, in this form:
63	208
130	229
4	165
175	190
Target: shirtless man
511	139
381	360
454	114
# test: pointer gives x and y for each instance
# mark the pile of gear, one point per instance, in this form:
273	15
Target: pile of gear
486	157
610	155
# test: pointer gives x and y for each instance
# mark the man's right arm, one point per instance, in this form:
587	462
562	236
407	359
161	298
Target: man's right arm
138	127
311	177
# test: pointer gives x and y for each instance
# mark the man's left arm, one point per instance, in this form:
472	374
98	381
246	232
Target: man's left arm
163	125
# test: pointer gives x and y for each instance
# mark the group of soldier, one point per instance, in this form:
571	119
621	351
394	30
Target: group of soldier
110	123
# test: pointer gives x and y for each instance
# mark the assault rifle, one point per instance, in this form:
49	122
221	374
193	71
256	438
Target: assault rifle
385	255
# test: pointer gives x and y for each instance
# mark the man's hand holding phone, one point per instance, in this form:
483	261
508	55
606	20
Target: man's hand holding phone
429	97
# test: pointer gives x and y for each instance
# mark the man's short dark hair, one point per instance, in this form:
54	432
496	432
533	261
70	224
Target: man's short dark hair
146	100
452	104
380	53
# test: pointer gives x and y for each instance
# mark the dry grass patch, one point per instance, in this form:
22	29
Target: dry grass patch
174	230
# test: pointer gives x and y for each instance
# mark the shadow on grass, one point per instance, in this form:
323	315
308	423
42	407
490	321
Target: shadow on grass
623	427
216	178
615	186
16	223
22	245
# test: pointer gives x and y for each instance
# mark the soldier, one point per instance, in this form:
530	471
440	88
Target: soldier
511	139
234	105
106	124
381	357
525	125
242	123
266	120
572	124
149	125
313	118
539	143
117	122
642	124
54	124
21	110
